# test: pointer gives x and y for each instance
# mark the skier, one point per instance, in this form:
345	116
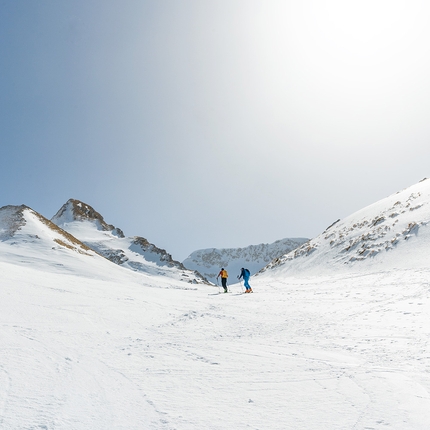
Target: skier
245	274
224	275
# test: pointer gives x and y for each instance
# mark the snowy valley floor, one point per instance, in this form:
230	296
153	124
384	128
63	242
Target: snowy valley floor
326	353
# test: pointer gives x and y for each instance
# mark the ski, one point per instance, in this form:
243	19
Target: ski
217	294
230	292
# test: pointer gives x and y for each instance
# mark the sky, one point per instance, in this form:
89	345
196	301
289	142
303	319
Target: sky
213	124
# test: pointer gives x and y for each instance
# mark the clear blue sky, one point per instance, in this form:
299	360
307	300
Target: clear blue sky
220	123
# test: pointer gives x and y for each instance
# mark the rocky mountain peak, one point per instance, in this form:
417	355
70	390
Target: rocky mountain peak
76	210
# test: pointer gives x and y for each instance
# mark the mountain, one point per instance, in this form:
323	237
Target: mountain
254	257
23	228
134	253
27	237
391	233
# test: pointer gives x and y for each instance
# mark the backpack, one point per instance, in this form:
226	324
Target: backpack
248	272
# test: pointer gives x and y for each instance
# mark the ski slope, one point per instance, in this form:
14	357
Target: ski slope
149	353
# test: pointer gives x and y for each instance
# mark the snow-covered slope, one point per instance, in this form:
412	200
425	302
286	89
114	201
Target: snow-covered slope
135	253
208	262
26	236
392	233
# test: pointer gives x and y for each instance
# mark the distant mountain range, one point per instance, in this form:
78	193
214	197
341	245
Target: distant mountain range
208	262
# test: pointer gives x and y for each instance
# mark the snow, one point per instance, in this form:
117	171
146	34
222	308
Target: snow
133	253
88	344
209	261
393	232
316	353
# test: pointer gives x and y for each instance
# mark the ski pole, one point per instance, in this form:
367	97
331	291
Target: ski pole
240	281
219	291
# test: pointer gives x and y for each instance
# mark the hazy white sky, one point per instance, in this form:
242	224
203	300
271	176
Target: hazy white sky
217	123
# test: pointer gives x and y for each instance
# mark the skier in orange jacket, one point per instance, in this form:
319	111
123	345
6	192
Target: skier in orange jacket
224	275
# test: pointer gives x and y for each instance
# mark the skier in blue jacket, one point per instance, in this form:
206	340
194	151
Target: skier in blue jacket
245	274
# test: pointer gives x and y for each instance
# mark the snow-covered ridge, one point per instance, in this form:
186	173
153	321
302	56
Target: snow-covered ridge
135	253
75	210
254	257
384	233
25	224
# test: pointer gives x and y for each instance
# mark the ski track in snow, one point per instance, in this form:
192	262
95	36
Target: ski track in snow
345	352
